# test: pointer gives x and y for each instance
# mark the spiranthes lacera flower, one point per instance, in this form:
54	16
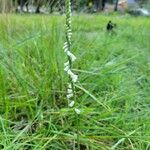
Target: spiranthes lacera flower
65	47
66	64
77	111
69	95
66	68
72	104
71	58
73	76
69	86
69	91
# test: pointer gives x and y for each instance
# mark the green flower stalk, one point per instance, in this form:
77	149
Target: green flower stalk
71	58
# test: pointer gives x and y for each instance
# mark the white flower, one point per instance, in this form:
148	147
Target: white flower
66	64
70	72
69	38
69	30
65	44
69	86
69	95
73	58
73	76
77	111
66	68
69	91
65	47
72	104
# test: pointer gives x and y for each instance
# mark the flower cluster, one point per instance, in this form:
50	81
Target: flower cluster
71	58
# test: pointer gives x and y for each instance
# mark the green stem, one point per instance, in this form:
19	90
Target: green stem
78	137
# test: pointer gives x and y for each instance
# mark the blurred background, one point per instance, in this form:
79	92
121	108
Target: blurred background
135	7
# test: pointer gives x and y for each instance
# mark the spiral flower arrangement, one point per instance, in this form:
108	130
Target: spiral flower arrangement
73	78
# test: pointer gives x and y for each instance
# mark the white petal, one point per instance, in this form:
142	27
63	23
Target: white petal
69	37
69	86
66	68
66	64
77	111
65	44
69	91
69	95
73	76
73	58
70	72
69	33
65	47
71	104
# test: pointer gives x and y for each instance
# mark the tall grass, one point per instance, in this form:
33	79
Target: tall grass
113	93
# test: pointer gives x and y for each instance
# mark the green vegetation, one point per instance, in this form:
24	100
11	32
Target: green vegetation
113	94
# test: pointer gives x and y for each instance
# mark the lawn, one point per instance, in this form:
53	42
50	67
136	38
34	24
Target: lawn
113	92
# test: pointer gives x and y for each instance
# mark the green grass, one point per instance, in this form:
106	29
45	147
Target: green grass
113	92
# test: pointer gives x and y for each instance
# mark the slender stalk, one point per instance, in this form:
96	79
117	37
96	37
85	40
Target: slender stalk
68	67
71	58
